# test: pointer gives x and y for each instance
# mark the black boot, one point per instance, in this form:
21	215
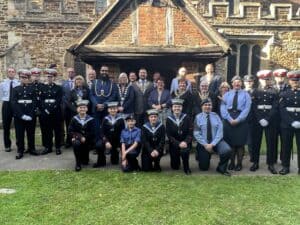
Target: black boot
58	151
33	152
284	171
19	155
254	167
272	169
46	151
240	156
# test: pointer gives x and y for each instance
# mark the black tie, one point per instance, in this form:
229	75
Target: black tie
235	101
10	90
209	130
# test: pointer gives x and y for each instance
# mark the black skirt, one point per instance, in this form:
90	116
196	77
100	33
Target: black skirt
236	136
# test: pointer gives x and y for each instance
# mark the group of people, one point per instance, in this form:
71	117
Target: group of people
137	116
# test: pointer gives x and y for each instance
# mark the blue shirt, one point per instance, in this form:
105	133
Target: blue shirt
128	137
243	105
200	128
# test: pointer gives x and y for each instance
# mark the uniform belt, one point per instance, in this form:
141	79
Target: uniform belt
50	100
24	101
264	107
293	109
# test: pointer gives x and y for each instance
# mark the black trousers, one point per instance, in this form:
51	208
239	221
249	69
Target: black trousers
278	137
81	153
67	118
148	160
131	157
175	154
204	158
7	116
270	133
287	139
49	125
21	127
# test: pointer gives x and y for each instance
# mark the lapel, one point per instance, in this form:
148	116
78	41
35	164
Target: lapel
149	128
173	119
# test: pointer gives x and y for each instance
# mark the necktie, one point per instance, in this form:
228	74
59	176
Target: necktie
209	130
235	101
71	85
10	90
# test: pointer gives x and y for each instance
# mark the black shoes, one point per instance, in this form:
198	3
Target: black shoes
58	151
238	167
272	169
188	172
284	171
77	168
231	166
19	156
225	172
46	151
7	149
33	152
254	167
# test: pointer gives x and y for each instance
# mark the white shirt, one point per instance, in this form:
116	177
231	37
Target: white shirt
4	88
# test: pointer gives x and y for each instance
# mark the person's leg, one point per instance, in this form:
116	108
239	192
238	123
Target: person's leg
203	158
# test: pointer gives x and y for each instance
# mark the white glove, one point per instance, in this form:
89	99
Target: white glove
263	122
296	124
26	118
46	111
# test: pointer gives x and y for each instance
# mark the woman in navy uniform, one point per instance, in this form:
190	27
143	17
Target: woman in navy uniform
289	106
180	135
130	145
51	115
208	132
265	107
82	133
235	108
153	139
112	126
24	106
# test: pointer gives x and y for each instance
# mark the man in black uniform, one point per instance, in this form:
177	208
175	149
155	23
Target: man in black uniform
180	135
38	86
50	113
112	126
153	139
249	86
265	106
289	106
280	86
24	105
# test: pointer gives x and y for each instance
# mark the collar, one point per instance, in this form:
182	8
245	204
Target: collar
81	121
113	120
149	127
177	122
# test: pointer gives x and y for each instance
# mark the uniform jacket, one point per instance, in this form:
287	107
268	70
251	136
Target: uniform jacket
179	130
51	92
112	129
141	104
86	128
153	138
27	93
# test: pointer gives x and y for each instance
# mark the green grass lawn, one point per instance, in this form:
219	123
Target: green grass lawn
111	197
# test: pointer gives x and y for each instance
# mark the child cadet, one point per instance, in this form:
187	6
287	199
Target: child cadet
112	126
180	135
130	145
82	133
153	139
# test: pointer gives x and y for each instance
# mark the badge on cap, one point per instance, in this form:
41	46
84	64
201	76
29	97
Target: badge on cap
280	73
152	112
177	101
264	74
112	104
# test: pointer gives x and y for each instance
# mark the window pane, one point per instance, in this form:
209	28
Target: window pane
255	59
244	59
231	66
